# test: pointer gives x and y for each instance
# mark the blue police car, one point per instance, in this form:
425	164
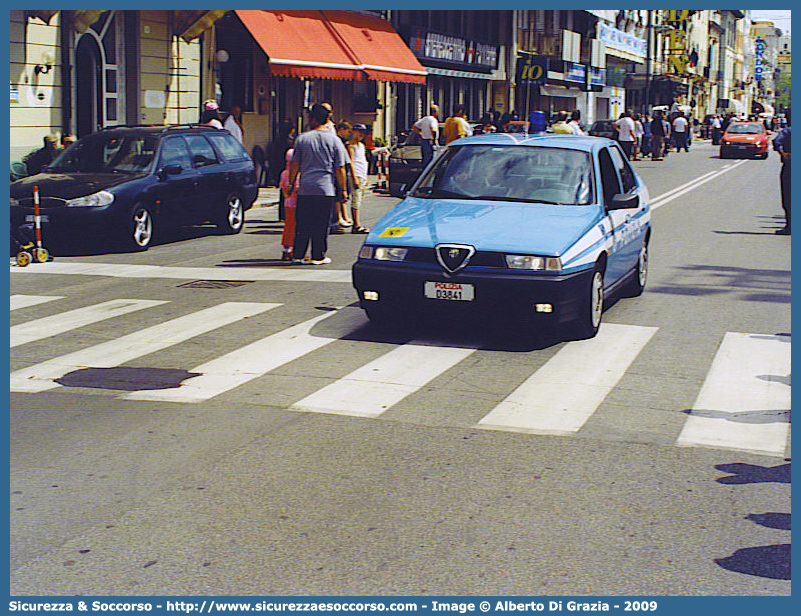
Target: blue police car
537	227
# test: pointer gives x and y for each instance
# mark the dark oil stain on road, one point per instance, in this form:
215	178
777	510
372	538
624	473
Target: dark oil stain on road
126	378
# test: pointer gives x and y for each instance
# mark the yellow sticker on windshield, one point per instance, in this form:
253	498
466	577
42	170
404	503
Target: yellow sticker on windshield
393	231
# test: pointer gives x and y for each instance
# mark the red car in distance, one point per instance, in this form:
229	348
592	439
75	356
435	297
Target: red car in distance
744	139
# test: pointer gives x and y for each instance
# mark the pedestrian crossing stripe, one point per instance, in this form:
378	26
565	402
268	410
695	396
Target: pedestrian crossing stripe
243	365
47	327
113	353
744	403
282	272
562	395
382	383
26	301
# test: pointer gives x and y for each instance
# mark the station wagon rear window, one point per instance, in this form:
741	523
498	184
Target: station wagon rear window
557	176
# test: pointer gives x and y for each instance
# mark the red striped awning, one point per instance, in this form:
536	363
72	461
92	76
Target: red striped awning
332	45
300	44
383	54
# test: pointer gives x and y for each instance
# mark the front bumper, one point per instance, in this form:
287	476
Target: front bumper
743	149
401	285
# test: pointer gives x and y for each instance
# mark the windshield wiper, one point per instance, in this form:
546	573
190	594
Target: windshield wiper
434	193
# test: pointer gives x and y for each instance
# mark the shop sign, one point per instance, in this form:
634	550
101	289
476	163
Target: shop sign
677	55
760	57
455	51
623	41
577	73
531	70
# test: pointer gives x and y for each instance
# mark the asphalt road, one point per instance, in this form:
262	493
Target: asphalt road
119	489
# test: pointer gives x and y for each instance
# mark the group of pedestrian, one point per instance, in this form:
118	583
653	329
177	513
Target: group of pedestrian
232	123
640	136
568	124
326	170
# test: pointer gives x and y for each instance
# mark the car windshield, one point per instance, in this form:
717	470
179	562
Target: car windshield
107	153
558	176
745	129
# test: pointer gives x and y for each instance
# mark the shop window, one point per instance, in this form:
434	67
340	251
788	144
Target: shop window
365	96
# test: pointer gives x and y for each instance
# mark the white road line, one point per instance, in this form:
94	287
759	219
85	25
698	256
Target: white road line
382	383
292	273
26	301
73	319
562	395
744	403
242	365
691	185
126	348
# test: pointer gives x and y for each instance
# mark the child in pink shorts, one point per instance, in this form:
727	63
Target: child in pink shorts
290	201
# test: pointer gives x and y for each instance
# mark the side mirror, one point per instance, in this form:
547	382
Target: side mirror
169	170
624	202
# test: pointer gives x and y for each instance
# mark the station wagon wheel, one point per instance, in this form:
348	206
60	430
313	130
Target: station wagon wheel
233	218
141	230
592	307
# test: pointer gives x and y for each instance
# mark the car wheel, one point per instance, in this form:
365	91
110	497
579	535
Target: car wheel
637	284
592	306
723	154
234	217
140	232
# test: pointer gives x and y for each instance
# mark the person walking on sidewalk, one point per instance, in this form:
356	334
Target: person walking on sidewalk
657	136
428	129
781	143
625	132
358	157
322	161
680	128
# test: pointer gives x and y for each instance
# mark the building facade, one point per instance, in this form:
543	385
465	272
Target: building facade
75	71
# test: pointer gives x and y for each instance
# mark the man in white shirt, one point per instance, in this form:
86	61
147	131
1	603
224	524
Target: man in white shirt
428	129
717	126
625	132
680	127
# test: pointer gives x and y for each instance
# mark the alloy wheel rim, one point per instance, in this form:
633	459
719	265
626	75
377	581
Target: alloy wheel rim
235	213
596	299
643	273
143	228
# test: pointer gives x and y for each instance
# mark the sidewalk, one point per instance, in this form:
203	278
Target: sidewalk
268	197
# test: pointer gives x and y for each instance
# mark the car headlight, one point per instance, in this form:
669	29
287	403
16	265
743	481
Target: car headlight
14	202
532	262
390	253
103	197
383	253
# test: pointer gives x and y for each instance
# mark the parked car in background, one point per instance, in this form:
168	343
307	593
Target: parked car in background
748	139
538	229
128	183
603	128
406	161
